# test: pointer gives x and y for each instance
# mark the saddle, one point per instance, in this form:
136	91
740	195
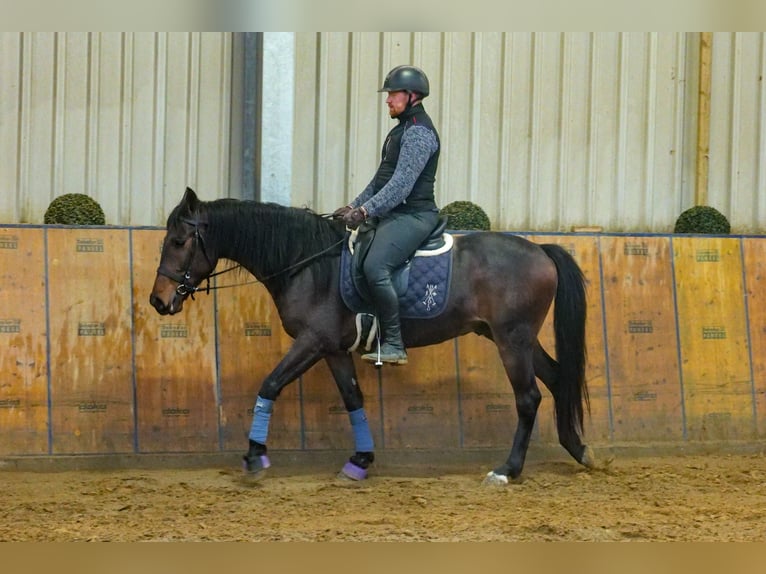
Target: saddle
422	282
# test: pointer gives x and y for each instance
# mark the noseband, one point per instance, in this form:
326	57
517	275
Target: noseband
185	286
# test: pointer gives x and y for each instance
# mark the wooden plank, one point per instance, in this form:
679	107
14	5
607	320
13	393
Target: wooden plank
251	343
487	402
641	338
90	341
713	335
585	250
23	346
420	400
175	365
754	251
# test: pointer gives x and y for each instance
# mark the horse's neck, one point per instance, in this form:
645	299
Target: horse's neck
245	243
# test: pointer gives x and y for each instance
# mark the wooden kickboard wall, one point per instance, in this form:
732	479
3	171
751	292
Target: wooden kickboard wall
676	339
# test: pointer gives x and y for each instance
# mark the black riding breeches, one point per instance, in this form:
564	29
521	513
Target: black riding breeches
397	236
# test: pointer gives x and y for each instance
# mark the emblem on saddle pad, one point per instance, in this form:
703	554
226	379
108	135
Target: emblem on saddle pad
422	282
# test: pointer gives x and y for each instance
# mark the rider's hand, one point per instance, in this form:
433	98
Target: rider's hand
355	217
341	211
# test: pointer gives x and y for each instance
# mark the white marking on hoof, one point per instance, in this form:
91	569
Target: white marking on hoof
493	479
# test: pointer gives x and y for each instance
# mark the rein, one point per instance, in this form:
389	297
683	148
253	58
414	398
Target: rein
185	288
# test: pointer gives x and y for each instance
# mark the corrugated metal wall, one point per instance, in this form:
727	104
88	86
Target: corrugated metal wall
127	118
544	130
737	183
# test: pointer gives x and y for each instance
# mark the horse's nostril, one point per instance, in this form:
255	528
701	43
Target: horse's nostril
156	302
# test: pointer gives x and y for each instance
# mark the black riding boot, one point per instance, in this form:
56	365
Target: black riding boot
392	348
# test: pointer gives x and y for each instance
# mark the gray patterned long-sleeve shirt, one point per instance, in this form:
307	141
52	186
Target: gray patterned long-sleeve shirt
418	145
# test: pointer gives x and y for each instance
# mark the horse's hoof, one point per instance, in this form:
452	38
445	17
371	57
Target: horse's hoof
352	472
494	479
590	461
255	468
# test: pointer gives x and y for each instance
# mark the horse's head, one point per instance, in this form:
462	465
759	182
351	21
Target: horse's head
186	258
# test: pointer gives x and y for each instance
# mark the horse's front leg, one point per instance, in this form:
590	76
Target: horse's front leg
342	366
303	354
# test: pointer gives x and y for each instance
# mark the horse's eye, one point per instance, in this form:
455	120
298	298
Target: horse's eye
179	242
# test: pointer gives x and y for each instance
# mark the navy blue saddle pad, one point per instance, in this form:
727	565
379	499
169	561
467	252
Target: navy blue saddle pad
422	283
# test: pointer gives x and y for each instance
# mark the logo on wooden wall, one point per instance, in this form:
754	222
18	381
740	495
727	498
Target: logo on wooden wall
640	326
10	403
498	408
714	332
90	246
174	331
636	249
257	329
708	256
175	412
10	325
9	241
644	396
91	329
420	410
91	407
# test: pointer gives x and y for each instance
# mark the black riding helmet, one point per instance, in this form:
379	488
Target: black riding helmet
406	78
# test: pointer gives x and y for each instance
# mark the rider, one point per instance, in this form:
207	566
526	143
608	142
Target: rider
399	201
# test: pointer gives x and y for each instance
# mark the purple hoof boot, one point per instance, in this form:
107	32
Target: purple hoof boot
255	467
354	472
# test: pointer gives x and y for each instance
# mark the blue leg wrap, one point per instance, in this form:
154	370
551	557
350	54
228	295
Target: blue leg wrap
362	434
259	431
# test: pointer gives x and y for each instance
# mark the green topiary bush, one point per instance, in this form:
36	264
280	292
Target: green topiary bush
74	209
702	219
465	215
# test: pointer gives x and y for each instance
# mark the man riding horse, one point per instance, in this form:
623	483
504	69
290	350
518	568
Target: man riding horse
398	203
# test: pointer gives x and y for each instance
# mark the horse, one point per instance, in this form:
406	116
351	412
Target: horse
502	288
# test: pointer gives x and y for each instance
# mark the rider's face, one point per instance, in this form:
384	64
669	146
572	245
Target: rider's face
396	102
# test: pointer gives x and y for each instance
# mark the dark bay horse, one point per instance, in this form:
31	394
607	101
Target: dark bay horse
502	288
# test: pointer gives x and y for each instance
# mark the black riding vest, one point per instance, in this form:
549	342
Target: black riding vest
421	197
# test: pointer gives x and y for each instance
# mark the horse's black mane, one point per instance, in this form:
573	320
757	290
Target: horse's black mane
270	238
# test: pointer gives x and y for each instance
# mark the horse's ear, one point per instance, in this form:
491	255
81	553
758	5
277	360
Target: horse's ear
190	200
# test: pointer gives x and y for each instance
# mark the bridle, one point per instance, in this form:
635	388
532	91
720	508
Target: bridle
185	288
184	281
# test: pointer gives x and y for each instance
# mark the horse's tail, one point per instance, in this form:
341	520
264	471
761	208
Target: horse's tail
570	310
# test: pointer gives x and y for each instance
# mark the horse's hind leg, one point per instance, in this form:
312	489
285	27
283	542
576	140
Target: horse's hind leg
546	369
344	372
516	353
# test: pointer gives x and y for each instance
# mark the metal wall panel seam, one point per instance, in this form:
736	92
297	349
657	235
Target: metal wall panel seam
25	127
160	119
564	127
225	120
193	109
622	129
474	136
125	184
650	164
735	121
92	118
593	139
760	191
535	96
679	114
59	112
